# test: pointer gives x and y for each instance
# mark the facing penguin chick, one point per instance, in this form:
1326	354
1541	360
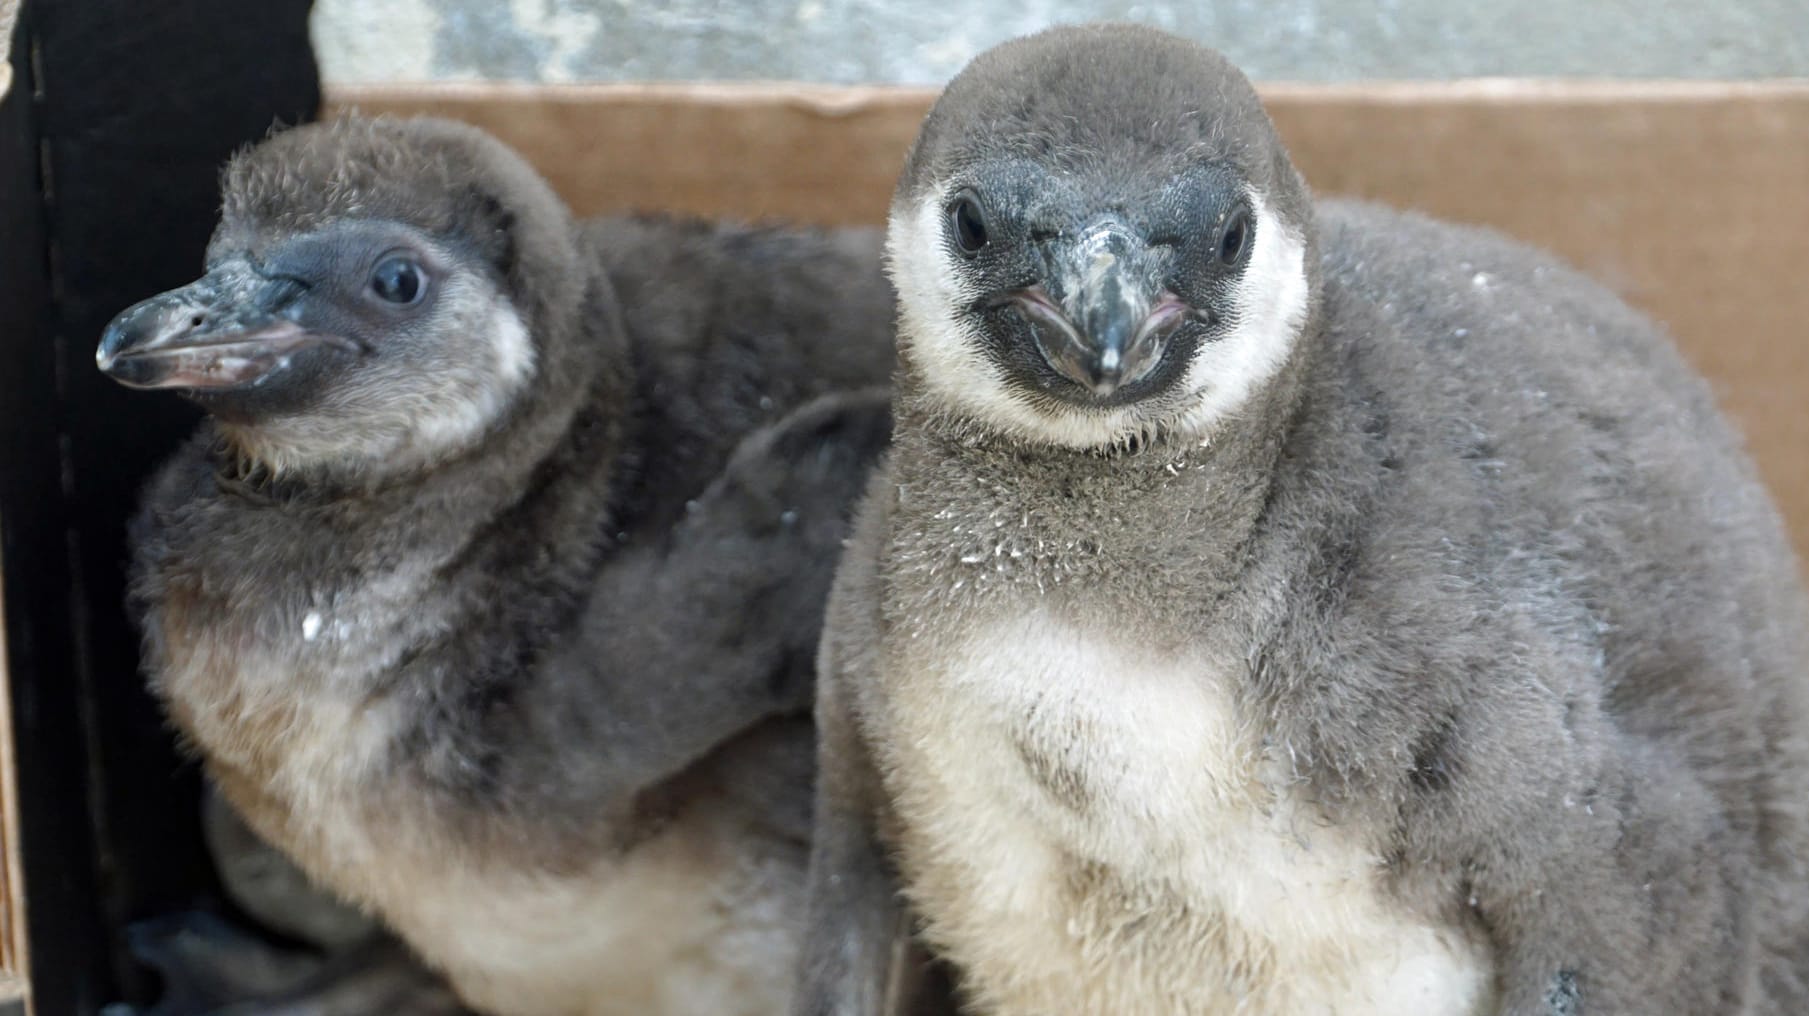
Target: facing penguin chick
1271	607
490	591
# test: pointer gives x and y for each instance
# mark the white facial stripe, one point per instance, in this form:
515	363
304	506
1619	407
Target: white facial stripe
934	333
455	415
1270	308
514	350
937	339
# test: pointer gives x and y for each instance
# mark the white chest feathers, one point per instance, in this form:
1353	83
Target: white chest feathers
702	919
1089	828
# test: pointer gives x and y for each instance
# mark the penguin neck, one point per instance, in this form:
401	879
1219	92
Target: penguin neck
995	510
1087	518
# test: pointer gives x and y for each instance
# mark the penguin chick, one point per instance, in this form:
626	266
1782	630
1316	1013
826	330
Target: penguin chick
489	594
1271	607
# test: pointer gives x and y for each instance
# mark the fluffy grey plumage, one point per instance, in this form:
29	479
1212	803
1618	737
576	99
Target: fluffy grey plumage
491	592
1399	630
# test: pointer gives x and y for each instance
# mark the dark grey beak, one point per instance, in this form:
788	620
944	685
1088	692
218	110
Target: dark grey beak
1108	320
229	329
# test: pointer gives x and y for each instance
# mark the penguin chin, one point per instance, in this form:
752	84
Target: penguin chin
288	387
1152	392
318	443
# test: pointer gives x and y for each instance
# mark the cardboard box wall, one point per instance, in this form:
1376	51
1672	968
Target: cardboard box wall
1689	199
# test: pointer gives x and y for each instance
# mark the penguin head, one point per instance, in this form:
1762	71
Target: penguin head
1097	238
379	295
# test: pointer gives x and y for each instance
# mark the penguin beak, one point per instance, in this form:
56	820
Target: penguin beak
1108	320
233	328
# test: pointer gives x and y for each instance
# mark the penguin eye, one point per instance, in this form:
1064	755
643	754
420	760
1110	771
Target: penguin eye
1234	241
399	280
967	222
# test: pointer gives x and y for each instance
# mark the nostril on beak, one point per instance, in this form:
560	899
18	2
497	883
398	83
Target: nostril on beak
146	324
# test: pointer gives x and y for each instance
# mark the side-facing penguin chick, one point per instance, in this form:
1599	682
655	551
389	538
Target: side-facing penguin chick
489	594
1271	608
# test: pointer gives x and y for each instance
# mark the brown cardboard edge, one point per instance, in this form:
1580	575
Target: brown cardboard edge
683	141
1612	175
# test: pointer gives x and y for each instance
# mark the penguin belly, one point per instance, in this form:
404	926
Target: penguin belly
1088	827
701	917
698	919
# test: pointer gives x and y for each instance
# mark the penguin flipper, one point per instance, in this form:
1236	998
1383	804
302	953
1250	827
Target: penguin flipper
860	951
724	613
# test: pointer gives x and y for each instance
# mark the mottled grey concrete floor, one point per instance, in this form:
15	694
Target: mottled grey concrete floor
853	41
